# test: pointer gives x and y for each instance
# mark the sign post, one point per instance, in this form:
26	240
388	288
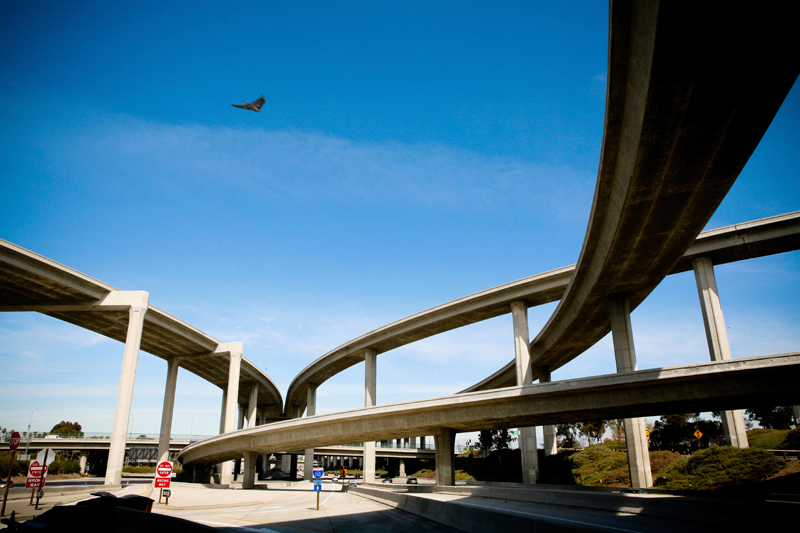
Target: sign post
317	473
37	471
13	445
163	473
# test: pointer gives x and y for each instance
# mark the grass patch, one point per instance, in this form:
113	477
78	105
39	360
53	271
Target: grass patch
716	468
767	439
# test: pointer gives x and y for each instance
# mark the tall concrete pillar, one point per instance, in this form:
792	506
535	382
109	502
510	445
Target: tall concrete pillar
222	409
249	477
718	347
236	350
167	411
412	443
445	439
370	386
311	410
252	407
527	435
138	301
549	431
83	463
286	463
402	472
625	355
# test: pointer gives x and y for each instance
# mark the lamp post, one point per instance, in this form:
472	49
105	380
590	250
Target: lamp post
191	429
29	433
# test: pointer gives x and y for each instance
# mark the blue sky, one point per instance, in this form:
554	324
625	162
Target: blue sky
408	153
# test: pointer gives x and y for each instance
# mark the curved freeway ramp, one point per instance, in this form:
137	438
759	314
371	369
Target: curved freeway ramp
757	238
769	380
692	89
31	282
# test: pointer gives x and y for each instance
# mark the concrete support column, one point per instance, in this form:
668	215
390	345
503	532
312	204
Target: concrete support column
166	412
412	443
370	386
252	407
625	355
249	477
286	463
445	439
116	454
83	463
717	337
236	351
549	431
222	410
527	435
402	472
311	410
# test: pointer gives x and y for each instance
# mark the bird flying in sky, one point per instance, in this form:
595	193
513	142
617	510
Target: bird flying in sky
252	106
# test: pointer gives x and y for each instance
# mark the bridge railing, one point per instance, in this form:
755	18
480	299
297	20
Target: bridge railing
88	435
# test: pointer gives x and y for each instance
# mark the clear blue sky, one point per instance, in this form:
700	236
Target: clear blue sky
408	153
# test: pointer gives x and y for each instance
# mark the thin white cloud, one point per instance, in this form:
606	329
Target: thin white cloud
295	165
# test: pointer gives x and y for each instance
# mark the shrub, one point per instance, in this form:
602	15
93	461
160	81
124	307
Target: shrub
64	467
792	441
719	467
141	469
767	439
16	469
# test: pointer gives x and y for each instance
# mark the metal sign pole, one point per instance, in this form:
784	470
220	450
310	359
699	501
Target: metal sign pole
8	481
317	500
41	479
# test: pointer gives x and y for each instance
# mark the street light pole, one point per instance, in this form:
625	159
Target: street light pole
27	444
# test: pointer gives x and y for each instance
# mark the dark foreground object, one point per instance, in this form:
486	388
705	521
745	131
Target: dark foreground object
107	513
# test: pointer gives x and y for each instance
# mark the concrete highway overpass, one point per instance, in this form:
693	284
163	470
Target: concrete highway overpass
690	94
689	97
30	282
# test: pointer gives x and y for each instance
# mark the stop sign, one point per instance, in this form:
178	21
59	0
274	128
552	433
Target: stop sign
164	469
14	441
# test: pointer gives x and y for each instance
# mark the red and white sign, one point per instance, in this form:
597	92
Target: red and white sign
35	478
41	463
163	473
14	443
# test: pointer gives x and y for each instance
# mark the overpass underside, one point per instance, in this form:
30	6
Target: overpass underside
732	384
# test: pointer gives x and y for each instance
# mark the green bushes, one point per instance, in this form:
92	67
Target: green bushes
64	467
719	467
144	469
767	439
17	469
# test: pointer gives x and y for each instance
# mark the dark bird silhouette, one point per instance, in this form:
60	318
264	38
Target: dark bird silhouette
252	106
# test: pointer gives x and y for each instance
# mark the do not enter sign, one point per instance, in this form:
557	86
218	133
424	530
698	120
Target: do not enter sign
36	469
164	469
163	473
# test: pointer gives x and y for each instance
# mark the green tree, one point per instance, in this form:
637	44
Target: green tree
66	427
501	439
680	432
568	435
617	428
593	431
771	417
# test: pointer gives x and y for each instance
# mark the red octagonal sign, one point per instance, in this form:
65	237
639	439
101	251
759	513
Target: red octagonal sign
14	443
164	469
